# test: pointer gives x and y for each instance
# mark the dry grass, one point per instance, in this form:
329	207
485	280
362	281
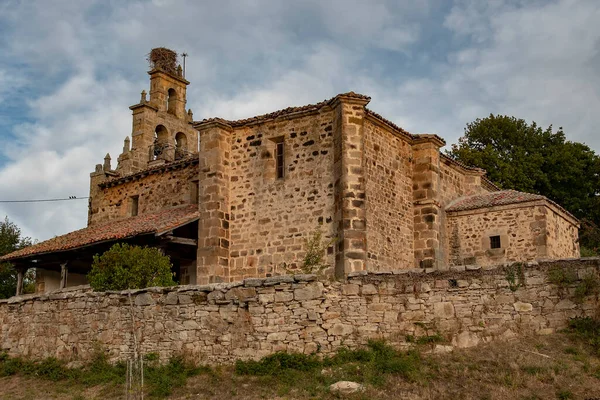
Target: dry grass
559	366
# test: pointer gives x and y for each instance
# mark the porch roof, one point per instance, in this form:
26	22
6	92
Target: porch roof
157	223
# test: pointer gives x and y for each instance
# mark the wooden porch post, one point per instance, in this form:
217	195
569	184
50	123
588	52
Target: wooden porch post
64	272
20	274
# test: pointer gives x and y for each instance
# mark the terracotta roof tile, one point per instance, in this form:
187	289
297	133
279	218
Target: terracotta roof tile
184	162
492	199
154	223
283	112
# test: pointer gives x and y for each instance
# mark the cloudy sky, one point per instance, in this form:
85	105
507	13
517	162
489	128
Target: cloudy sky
70	69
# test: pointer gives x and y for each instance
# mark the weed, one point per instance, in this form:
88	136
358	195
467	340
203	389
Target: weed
428	339
588	286
515	276
160	379
532	369
572	350
371	364
588	329
561	277
316	249
564	395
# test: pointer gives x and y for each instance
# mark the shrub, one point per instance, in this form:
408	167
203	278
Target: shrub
130	267
588	286
315	253
562	277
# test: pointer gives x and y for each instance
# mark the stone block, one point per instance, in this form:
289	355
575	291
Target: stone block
350	289
341	330
144	299
443	310
283	297
310	291
523	307
368	289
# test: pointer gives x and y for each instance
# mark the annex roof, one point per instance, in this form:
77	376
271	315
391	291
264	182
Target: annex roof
493	199
502	198
156	223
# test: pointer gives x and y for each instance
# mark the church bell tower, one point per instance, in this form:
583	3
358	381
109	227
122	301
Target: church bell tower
162	130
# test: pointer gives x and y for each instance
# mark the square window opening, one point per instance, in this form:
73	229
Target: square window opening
495	242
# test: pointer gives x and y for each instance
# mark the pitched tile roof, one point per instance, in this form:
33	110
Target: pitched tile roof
285	111
154	223
177	164
492	199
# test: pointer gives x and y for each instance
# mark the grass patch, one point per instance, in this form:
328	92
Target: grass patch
159	380
588	330
370	365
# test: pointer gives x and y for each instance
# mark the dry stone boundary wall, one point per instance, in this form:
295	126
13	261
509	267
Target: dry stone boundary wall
220	323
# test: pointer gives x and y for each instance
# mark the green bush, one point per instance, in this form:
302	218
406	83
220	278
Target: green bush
130	267
588	252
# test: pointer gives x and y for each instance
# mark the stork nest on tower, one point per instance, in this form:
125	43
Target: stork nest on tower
163	59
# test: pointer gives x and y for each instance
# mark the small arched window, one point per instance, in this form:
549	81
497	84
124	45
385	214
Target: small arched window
171	101
180	145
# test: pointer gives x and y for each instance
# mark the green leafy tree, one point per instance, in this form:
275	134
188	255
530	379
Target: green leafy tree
526	157
11	240
130	267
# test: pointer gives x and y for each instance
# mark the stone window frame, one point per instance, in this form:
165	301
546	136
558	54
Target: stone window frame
274	157
495	253
134	205
280	159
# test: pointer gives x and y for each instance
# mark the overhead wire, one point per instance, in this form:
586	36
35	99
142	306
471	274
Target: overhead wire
44	200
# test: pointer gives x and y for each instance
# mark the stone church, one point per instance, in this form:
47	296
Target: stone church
227	200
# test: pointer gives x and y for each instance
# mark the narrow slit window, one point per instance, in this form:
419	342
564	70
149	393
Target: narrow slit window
134	205
195	192
280	159
495	242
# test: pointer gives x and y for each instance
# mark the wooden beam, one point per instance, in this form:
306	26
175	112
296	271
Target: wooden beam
181	240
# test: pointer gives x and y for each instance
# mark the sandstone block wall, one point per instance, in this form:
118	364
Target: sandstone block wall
562	235
389	203
168	188
522	231
527	232
271	217
250	319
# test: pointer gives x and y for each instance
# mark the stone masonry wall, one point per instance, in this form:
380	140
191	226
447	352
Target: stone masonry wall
156	191
522	231
271	217
562	237
455	183
250	319
389	205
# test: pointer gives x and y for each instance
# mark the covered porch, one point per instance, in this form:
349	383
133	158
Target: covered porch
65	260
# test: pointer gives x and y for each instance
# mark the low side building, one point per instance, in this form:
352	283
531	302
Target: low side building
253	191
